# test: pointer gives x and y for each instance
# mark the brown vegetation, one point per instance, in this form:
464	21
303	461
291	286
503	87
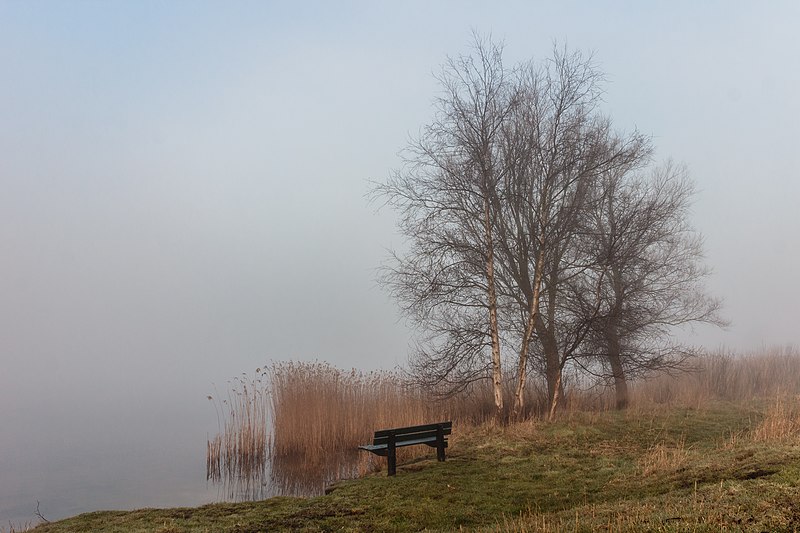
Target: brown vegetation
540	238
782	421
237	455
725	376
19	528
298	429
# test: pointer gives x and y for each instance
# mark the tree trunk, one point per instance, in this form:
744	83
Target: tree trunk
533	312
614	344
553	374
552	358
615	360
558	393
497	373
620	383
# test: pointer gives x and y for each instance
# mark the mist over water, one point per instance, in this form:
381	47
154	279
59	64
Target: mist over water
70	483
78	457
182	200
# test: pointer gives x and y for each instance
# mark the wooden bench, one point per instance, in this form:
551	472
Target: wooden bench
386	441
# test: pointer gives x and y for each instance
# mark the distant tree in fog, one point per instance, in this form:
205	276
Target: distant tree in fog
653	273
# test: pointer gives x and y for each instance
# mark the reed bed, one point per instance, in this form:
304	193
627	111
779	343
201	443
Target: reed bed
321	415
724	376
318	408
295	427
237	456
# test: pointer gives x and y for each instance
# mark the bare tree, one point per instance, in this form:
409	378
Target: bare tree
446	195
557	147
653	260
525	229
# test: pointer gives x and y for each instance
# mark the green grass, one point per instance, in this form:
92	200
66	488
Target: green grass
670	470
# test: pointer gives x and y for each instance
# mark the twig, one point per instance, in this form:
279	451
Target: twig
39	514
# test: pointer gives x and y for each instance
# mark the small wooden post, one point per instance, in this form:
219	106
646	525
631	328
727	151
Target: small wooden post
391	457
439	443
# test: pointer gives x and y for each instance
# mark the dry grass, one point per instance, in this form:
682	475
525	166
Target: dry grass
322	414
18	528
724	376
237	456
662	457
781	421
710	509
317	415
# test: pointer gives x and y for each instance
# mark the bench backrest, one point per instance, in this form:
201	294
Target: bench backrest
412	433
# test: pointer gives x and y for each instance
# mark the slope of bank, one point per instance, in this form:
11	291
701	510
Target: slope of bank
661	470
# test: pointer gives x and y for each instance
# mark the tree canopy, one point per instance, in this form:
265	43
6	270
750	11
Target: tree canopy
539	235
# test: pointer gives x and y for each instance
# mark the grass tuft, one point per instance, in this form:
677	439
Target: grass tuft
664	458
781	421
16	528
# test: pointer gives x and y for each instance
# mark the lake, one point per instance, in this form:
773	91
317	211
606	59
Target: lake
145	455
73	457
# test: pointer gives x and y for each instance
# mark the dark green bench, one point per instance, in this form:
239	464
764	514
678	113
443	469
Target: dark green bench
386	441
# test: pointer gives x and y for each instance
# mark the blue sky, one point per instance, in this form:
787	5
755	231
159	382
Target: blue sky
182	183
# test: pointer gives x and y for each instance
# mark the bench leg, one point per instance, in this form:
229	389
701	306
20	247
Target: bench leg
391	456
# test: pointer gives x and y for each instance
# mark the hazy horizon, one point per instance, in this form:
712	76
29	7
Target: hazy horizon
183	184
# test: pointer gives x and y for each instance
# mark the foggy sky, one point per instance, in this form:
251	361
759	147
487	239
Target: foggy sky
182	184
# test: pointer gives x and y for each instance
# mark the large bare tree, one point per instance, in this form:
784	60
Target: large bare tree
558	146
525	229
447	197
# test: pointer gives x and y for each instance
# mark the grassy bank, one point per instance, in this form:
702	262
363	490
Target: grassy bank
724	466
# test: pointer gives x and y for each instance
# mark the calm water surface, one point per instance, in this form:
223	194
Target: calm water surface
153	457
103	457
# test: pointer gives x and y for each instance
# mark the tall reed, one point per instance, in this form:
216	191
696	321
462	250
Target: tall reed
237	455
781	421
296	426
19	528
725	376
321	414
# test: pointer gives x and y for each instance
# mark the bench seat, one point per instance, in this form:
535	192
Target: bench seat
382	449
